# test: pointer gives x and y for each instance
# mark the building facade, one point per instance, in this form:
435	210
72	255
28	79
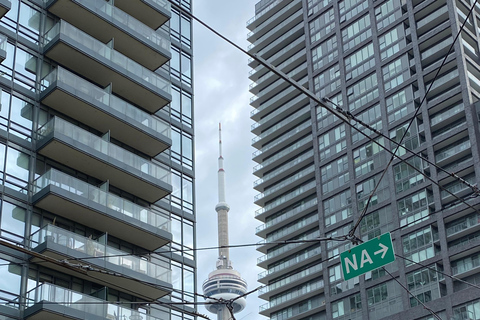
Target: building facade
376	59
96	155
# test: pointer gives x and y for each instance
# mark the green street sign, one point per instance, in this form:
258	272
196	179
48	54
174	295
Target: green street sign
367	256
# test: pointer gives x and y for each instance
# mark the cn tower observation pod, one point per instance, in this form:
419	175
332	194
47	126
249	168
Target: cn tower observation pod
225	284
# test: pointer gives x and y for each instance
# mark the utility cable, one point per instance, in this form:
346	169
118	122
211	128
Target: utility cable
352	232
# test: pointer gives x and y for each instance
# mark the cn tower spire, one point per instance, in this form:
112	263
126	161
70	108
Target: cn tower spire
222	209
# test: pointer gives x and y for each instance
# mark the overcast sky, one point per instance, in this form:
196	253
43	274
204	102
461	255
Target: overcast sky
221	95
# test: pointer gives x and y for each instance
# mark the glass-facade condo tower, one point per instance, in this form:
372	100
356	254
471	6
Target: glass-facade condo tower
375	59
96	160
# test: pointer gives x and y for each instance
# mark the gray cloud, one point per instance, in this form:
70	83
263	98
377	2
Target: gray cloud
221	95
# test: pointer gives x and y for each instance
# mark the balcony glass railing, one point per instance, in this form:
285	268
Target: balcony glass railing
81	87
288	214
297	276
283	138
104	51
277	83
439	117
266	36
432	16
462	224
127	21
84	303
281	39
285	183
290	164
298	259
263	11
274	17
96	195
285	248
298	191
73	241
282	123
465	264
458	186
281	53
452	150
305	289
91	141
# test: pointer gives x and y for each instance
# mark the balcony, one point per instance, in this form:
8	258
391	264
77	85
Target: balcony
84	203
289	167
101	64
278	29
139	277
154	13
99	109
289	282
276	190
279	127
301	259
5	6
283	141
79	149
463	227
289	298
103	21
52	302
282	14
286	217
287	199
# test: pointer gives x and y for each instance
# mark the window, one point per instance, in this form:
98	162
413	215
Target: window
407	177
376	223
316	5
373	117
180	28
181	106
423	283
356	32
350	8
322	25
324	53
418	246
332	142
348	308
414	208
385	15
182	194
359	61
384	299
337	208
335	174
327	81
182	148
362	92
365	188
399	105
181	66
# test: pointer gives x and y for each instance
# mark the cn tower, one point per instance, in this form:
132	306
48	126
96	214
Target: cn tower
223	283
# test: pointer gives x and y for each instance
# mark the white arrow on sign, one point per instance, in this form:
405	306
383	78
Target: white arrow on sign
383	251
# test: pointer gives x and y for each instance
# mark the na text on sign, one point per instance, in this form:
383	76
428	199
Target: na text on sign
367	256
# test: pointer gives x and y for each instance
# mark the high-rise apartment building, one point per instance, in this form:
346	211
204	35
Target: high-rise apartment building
376	59
96	160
